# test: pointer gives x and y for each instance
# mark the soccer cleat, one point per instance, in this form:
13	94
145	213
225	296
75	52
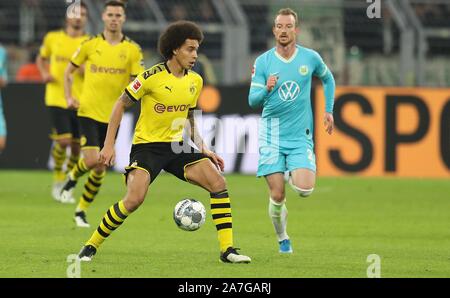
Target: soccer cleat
56	190
80	219
232	256
285	246
66	196
87	253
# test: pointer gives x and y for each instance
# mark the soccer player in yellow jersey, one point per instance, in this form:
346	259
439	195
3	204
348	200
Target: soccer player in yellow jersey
55	53
111	60
168	93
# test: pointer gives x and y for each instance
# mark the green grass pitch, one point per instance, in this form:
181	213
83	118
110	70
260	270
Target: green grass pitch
404	221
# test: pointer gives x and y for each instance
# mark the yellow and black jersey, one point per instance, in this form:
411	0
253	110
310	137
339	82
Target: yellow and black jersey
165	102
58	47
107	72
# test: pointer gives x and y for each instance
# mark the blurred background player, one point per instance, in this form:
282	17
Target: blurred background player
110	60
3	82
281	84
55	53
159	133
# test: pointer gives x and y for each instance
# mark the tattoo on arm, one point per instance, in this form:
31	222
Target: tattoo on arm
126	100
195	136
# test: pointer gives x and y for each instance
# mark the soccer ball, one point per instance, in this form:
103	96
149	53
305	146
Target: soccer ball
189	214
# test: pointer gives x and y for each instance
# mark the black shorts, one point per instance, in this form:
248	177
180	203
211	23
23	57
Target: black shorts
93	133
64	123
154	157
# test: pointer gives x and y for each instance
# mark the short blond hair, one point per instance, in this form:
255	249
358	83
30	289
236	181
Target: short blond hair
286	12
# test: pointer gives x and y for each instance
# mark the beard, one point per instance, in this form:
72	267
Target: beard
285	42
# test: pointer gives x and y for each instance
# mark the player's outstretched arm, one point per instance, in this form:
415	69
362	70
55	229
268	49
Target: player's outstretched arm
107	154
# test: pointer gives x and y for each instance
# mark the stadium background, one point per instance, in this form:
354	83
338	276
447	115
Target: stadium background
392	113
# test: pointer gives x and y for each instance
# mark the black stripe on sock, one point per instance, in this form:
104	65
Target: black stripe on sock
111	218
226	225
118	212
97	176
101	232
96	184
92	192
77	169
221	215
87	199
223	205
219	195
107	224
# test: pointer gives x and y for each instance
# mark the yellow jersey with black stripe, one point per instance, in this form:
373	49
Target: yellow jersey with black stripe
165	102
108	69
58	47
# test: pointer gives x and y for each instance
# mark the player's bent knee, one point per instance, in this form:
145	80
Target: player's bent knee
92	162
302	191
218	184
277	196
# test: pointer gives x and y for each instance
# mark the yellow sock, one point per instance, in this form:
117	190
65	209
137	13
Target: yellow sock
73	160
221	214
59	156
91	188
113	218
79	169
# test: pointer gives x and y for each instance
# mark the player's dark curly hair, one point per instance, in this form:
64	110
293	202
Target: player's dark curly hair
175	35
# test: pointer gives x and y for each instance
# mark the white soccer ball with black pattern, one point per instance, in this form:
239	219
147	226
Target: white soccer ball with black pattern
189	214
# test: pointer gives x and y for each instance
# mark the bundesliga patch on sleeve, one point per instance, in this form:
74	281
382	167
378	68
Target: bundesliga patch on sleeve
253	70
136	85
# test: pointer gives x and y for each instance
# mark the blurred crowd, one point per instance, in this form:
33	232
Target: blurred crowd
360	34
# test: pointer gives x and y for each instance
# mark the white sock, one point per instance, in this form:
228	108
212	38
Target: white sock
278	213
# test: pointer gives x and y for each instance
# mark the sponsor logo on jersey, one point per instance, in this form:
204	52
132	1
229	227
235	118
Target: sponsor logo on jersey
107	70
61	59
289	91
160	108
